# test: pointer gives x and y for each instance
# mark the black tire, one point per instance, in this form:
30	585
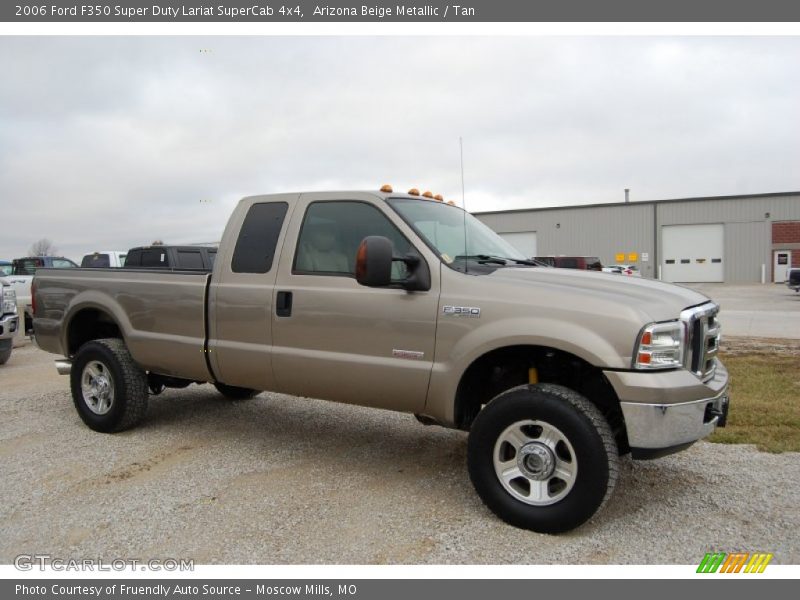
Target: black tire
584	428
232	392
127	380
5	350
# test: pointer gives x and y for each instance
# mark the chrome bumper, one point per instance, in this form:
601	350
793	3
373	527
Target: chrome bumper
8	326
668	411
662	426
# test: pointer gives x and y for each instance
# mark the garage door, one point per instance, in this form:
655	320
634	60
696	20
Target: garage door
692	253
524	241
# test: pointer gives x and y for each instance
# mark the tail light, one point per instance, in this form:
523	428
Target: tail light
33	297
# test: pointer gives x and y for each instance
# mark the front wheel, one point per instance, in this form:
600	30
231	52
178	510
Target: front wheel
542	457
108	388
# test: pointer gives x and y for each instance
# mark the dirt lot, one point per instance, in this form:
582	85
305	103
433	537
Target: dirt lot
286	480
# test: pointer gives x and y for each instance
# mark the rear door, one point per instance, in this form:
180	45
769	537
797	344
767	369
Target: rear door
241	295
338	340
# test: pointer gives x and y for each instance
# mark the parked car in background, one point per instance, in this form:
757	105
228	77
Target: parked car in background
584	263
9	321
5	267
629	270
793	279
192	258
104	259
22	272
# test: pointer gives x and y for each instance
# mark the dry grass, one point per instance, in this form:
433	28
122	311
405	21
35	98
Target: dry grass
765	399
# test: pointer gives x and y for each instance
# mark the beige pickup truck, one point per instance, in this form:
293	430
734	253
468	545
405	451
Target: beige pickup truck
403	302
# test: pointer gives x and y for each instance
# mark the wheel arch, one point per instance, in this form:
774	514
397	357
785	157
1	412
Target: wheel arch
502	368
87	322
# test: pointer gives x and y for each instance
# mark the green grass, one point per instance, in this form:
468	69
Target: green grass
765	402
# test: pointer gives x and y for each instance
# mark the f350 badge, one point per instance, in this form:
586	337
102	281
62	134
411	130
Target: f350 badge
462	311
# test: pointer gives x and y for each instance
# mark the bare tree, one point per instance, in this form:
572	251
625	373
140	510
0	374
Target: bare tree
42	247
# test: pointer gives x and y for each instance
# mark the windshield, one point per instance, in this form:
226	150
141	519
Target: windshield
443	226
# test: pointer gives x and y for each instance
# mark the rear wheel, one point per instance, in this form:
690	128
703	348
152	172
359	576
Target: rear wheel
542	457
108	388
232	392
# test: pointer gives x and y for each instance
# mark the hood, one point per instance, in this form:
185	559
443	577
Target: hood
661	301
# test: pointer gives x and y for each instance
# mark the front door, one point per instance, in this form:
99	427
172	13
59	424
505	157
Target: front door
338	340
782	264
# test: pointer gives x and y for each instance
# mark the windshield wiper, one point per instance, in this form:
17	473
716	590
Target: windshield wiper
502	260
484	259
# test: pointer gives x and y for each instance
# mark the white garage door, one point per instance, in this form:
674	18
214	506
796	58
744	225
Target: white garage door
692	253
524	241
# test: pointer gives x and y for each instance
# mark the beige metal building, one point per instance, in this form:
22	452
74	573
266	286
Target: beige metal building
735	239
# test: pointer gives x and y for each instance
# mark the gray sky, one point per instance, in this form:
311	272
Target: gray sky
111	142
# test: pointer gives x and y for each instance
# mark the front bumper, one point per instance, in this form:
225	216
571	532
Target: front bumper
8	326
668	411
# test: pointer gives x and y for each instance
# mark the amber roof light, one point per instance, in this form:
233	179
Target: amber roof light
413	192
386	188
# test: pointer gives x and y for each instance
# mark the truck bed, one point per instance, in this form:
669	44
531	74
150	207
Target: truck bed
161	313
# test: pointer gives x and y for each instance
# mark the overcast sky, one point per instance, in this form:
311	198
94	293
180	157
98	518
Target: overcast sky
111	142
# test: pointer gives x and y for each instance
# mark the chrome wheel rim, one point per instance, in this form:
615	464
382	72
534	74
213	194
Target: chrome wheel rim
97	386
535	462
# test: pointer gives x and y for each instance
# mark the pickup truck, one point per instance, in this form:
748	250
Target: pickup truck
9	322
403	302
22	271
199	258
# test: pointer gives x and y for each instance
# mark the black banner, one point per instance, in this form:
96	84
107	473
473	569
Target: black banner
184	11
393	589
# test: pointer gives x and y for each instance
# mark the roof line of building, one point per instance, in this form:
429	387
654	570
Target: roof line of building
639	203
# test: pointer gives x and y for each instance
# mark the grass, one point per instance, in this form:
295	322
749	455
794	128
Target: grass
765	402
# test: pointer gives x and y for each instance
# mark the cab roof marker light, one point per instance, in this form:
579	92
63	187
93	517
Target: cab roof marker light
413	192
427	194
386	188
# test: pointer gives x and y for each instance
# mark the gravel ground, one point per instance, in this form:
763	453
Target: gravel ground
285	480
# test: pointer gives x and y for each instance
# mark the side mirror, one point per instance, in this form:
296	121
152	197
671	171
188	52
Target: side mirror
374	266
374	261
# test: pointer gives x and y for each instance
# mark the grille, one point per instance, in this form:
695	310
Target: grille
703	344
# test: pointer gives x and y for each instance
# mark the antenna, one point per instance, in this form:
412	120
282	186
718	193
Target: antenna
463	204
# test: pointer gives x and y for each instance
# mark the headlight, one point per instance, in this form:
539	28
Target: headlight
660	346
9	301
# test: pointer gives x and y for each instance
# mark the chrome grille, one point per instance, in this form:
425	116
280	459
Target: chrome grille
702	345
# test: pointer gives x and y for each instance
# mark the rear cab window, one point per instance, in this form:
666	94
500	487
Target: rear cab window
153	257
27	266
190	259
96	261
258	238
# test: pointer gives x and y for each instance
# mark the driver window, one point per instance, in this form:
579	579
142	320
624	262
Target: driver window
331	233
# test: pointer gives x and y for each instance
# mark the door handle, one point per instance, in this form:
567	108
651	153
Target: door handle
283	304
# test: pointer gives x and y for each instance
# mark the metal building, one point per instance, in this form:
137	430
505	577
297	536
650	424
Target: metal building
735	239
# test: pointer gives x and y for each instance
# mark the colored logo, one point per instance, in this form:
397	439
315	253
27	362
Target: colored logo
736	562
